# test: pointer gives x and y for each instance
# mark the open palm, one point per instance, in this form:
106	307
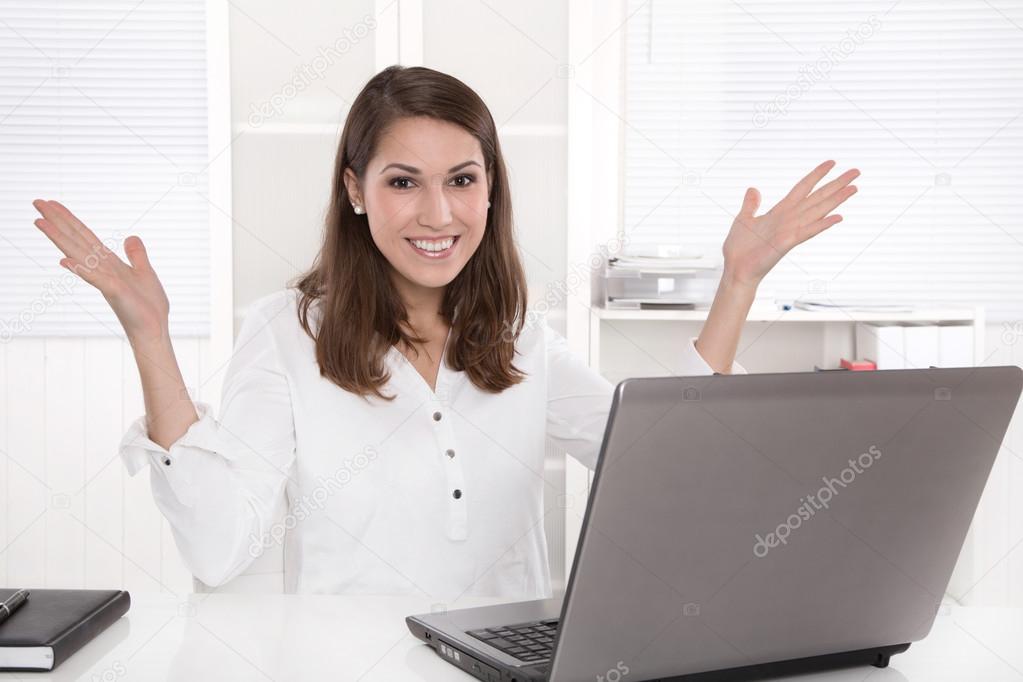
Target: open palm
755	243
133	291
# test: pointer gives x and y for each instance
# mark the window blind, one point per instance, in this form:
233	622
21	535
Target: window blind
924	96
103	107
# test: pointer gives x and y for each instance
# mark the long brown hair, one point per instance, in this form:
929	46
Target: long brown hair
361	313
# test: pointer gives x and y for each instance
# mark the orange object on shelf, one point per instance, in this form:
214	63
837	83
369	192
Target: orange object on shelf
858	365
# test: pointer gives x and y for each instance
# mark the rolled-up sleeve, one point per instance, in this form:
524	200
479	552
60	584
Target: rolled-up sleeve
221	482
579	398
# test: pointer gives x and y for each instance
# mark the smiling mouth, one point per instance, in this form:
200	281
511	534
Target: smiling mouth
433	248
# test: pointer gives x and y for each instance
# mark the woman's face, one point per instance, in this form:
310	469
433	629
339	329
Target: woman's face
425	194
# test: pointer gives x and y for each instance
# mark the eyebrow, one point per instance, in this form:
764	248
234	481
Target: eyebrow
416	171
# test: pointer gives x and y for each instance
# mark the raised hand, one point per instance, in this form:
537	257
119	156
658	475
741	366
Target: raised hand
133	291
755	244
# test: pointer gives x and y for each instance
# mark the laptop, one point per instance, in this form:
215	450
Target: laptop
749	526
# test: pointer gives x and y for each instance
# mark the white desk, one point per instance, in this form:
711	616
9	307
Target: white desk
319	637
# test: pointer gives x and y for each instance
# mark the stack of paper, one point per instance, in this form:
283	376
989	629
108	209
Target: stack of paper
663	265
861	306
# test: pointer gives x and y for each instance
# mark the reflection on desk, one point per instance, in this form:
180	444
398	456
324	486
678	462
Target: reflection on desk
326	637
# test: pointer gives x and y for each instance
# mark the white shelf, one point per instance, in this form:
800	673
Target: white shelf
771	314
837	327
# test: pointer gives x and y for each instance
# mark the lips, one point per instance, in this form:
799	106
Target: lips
431	251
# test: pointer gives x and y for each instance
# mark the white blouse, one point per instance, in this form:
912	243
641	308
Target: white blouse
436	492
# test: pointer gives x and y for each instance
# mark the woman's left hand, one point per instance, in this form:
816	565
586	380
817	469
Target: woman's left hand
755	244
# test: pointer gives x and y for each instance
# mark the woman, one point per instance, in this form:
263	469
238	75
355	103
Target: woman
395	394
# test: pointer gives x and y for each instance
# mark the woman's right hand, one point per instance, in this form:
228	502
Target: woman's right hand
133	291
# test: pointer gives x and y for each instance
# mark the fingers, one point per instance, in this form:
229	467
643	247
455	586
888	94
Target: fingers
90	275
750	203
829	204
818	226
804	186
49	211
60	230
76	226
833	186
137	254
63	241
77	242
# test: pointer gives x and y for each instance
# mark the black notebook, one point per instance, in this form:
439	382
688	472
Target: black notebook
53	624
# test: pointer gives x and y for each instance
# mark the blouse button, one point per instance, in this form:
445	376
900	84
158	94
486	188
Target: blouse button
436	416
457	493
450	453
166	461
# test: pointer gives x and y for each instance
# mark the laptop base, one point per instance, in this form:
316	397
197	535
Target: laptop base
490	670
879	657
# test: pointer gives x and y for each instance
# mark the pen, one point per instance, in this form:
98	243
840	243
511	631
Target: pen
10	605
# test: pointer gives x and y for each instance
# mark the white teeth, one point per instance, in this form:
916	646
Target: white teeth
440	245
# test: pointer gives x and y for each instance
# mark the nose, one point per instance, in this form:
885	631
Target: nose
435	206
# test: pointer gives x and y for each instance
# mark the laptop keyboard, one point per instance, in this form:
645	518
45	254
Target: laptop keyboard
529	642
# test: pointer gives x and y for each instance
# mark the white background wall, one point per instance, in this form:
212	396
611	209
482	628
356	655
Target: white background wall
70	515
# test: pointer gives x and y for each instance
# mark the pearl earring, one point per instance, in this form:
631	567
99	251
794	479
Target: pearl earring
488	204
358	210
